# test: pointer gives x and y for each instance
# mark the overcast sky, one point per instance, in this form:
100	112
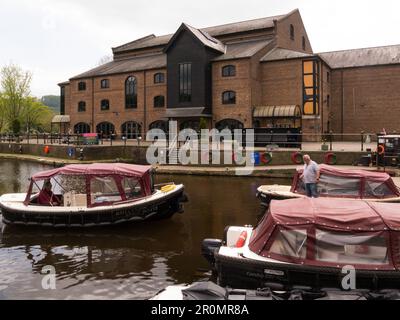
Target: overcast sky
57	39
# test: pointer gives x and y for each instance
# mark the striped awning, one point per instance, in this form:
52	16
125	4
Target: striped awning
277	112
61	119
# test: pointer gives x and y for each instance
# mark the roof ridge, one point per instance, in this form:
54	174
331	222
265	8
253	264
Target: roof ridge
150	36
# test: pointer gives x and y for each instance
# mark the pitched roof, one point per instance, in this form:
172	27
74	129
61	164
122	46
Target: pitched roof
216	31
202	36
284	54
154	61
243	49
362	57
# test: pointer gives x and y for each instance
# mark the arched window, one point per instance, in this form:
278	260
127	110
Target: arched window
105	130
131	130
105	105
159	102
229	71
229	97
81	128
304	43
160	124
159	78
81	86
291	32
230	124
190	124
105	84
131	93
82	106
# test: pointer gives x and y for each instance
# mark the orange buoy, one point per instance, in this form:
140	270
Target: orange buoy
46	149
242	240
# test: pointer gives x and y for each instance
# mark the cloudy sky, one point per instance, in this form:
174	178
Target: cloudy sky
57	39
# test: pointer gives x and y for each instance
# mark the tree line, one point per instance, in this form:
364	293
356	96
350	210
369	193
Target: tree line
20	112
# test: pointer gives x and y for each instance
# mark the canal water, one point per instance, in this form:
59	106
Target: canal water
130	262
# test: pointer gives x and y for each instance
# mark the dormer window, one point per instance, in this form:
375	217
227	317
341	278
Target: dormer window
291	32
229	71
81	86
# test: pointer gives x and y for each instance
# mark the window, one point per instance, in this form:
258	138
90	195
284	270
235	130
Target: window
339	186
230	124
105	130
62	100
229	97
131	93
104	190
352	248
290	243
229	71
160	124
132	188
82	106
81	86
105	84
304	43
159	78
81	128
375	189
159	102
105	105
311	87
291	32
131	130
328	100
185	82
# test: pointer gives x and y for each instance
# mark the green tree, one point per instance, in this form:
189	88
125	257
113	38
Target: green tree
15	90
52	101
36	116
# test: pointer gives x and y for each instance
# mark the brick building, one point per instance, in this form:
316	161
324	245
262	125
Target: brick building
257	73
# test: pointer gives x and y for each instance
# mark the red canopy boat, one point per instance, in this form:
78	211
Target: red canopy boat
337	183
92	195
311	241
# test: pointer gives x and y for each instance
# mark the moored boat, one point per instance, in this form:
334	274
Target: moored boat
315	243
92	195
337	183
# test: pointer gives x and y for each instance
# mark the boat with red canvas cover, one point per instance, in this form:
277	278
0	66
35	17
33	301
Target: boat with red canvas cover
312	242
92	195
337	183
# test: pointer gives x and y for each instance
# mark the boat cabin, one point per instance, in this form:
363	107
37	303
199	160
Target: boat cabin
90	186
330	233
344	183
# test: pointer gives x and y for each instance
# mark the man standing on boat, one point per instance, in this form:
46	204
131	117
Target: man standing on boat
310	176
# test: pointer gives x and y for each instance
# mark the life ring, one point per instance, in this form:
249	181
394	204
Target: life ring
330	158
297	158
381	150
266	158
168	188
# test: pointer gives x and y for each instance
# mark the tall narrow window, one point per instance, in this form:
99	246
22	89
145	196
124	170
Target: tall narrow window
159	78
328	101
185	82
291	32
311	87
105	105
81	86
304	43
131	93
159	102
229	71
62	101
82	106
229	97
105	84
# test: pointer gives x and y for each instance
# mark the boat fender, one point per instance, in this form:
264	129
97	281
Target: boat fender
168	188
266	158
297	158
242	240
330	158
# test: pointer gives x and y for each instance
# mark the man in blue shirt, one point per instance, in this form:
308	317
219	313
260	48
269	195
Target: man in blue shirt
310	176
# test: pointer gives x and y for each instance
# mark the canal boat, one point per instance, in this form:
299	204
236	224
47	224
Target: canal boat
337	183
92	195
320	243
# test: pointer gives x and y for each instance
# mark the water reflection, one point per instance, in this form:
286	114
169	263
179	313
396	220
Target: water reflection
130	262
